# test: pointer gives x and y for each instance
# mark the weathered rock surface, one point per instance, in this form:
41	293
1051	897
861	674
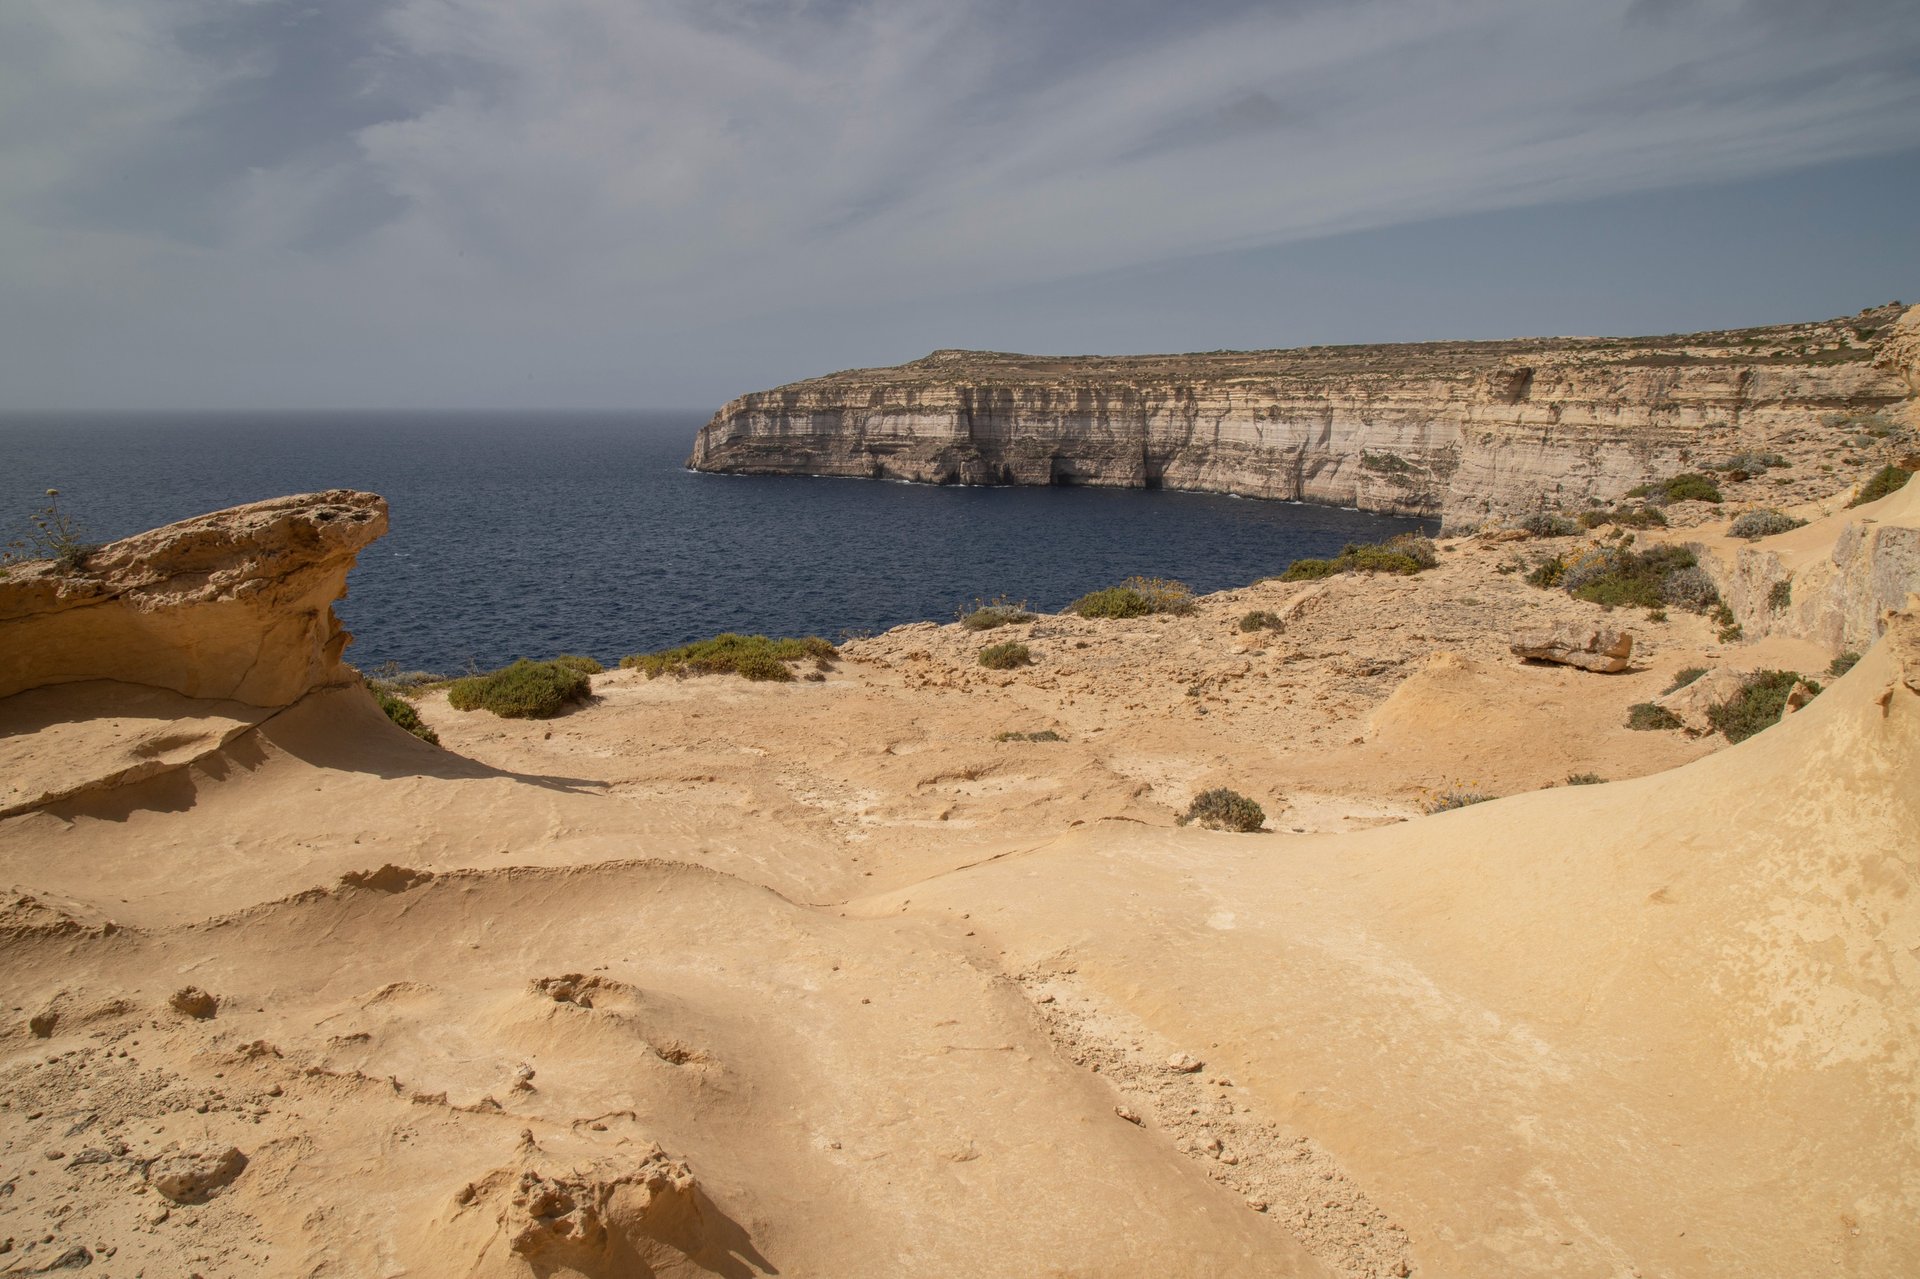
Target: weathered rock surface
192	1175
234	605
1591	648
1693	703
1837	591
1462	430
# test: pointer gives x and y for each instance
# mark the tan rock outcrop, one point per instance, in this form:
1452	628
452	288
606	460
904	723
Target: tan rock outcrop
1462	430
1591	648
234	605
1832	581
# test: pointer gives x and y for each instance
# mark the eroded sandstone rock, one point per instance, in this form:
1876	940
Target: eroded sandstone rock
1591	648
195	1174
589	1218
236	604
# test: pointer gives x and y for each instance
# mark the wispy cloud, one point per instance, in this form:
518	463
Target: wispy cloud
180	178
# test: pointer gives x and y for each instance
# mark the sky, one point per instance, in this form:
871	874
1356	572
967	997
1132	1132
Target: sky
250	204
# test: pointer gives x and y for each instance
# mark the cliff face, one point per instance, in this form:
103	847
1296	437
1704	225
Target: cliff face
234	605
1464	430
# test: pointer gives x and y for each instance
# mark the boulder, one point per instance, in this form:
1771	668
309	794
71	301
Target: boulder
1693	703
236	604
1591	648
192	1175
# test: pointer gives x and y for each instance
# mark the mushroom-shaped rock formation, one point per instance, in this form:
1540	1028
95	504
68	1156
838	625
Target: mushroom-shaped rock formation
234	605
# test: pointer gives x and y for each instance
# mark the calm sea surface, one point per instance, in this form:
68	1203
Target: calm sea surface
530	534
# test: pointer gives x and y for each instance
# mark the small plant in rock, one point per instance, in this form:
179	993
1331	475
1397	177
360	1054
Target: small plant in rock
1758	705
754	657
53	535
524	690
1005	657
1043	735
1223	809
987	615
403	713
1585	779
1647	717
1260	620
1762	523
1780	595
1842	664
1888	479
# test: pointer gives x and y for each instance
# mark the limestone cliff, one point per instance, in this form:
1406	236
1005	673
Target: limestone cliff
1460	430
234	605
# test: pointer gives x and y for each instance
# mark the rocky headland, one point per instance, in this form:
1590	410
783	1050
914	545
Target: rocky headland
1536	960
1465	431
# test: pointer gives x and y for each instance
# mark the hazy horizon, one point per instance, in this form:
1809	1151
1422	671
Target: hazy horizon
609	205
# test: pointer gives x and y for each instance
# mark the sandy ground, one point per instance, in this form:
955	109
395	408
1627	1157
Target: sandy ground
821	979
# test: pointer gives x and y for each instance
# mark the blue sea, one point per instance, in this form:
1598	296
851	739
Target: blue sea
523	534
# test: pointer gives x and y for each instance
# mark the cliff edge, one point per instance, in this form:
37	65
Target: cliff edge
1464	431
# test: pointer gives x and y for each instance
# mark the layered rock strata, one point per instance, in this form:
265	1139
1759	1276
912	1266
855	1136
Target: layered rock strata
236	605
1460	430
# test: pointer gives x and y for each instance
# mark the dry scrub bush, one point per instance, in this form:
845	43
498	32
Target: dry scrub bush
1762	523
524	690
1005	657
754	657
1223	809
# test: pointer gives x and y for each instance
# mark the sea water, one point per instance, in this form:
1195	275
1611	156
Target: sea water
527	534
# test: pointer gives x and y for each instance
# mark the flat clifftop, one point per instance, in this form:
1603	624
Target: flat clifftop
1464	431
1847	340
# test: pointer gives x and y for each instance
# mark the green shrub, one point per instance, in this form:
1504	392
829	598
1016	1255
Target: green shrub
1618	578
987	615
1625	517
1223	809
1309	570
1691	487
524	690
1757	705
1448	800
1684	678
1888	479
1762	523
1780	595
754	657
1743	465
1260	620
575	662
1547	573
1585	779
1647	717
1114	601
402	712
1406	554
1842	664
1136	597
1549	524
1004	657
